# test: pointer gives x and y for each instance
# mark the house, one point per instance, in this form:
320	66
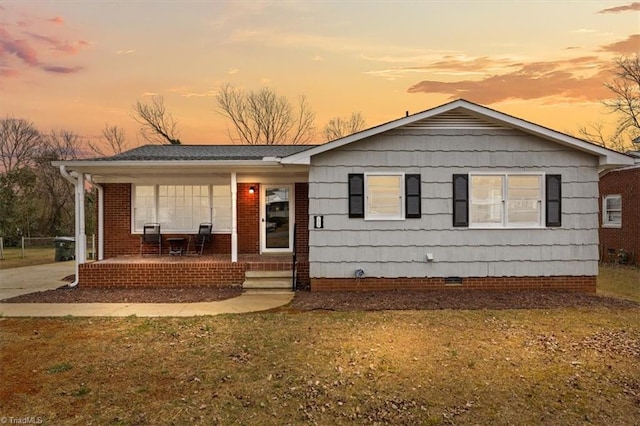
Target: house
458	196
620	214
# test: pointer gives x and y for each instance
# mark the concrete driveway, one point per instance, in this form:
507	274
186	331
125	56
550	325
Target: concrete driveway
29	279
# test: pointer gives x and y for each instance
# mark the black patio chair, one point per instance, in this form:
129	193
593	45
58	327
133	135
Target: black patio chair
202	237
151	236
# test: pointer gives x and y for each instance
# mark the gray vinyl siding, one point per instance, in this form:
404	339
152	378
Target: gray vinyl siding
399	248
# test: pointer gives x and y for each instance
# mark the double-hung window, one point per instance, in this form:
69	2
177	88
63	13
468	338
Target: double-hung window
384	196
612	211
181	208
506	200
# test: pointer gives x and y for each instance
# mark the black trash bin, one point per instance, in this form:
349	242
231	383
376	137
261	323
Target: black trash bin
65	248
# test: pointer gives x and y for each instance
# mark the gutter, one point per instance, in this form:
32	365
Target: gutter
79	216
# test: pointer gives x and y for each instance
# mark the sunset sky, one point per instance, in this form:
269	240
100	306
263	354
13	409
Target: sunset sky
77	65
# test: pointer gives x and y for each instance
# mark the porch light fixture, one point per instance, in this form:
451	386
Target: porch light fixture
252	189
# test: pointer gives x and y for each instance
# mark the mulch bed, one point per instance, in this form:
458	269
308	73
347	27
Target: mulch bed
128	295
434	300
340	301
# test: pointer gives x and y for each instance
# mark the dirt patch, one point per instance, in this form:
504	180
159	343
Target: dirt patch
434	300
128	295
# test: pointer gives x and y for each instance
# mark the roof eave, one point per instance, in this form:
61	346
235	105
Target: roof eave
87	165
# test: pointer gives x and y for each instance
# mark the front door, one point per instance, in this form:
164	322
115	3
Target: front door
276	218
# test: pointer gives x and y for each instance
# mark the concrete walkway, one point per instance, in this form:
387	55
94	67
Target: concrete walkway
29	279
14	282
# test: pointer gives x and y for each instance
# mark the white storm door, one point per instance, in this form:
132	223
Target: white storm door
276	218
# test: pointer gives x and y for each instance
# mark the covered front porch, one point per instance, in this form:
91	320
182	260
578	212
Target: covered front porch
217	270
252	203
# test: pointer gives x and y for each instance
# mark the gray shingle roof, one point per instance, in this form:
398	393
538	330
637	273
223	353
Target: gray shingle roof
205	152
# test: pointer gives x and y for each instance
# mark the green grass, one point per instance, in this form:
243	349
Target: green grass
33	256
619	281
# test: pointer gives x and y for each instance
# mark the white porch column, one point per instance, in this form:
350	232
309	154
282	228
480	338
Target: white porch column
100	222
81	238
234	217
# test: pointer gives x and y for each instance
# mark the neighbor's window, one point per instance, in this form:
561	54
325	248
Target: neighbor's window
612	211
181	208
505	200
384	196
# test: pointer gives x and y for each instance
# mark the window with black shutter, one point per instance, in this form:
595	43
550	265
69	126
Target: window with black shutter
460	200
553	200
356	195
412	196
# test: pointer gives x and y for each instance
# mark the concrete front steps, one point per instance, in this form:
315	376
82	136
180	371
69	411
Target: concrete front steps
267	282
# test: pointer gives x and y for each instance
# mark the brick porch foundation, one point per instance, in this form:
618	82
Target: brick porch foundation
177	272
583	284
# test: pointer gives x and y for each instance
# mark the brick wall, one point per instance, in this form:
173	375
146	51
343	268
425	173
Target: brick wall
583	284
248	206
118	239
196	274
302	233
627	184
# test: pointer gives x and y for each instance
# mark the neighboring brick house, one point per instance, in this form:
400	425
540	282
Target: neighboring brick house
620	215
458	196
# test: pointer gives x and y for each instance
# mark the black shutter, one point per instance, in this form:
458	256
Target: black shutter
553	190
460	200
356	195
412	196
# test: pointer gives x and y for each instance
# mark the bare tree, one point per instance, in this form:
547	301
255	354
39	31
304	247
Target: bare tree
264	118
338	127
626	104
20	142
61	145
596	133
114	141
55	196
157	125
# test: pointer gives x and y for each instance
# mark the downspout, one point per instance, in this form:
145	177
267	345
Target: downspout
78	183
234	217
100	217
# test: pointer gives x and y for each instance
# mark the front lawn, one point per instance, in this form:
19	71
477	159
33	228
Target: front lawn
32	256
553	366
619	281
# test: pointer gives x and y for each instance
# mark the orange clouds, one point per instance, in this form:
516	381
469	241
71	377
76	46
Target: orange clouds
573	80
625	47
635	6
533	81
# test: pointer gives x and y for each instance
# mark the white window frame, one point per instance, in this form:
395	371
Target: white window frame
155	209
505	224
606	223
368	215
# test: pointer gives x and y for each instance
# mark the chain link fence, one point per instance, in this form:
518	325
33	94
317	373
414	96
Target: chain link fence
40	246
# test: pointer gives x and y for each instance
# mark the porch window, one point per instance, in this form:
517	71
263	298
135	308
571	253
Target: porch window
181	208
612	211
